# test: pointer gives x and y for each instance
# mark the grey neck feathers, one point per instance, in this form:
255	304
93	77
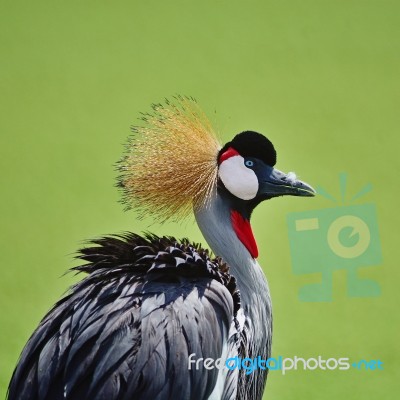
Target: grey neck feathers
214	221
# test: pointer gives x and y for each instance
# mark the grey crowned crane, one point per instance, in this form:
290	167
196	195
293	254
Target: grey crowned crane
126	331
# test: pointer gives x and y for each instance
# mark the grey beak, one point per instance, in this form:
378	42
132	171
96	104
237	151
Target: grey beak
276	183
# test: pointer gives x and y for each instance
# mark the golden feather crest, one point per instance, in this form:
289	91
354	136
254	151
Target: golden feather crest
171	162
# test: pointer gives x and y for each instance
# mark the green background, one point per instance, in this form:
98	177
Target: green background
320	78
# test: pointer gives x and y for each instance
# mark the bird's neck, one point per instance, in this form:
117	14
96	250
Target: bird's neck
227	230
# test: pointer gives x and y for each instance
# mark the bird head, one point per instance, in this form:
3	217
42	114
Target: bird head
174	164
246	171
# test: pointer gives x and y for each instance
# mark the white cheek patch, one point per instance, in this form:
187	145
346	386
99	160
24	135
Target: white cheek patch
241	181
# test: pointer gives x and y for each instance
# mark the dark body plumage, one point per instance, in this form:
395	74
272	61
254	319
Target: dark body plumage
146	305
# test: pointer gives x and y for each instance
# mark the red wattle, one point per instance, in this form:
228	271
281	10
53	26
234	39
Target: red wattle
244	232
228	154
